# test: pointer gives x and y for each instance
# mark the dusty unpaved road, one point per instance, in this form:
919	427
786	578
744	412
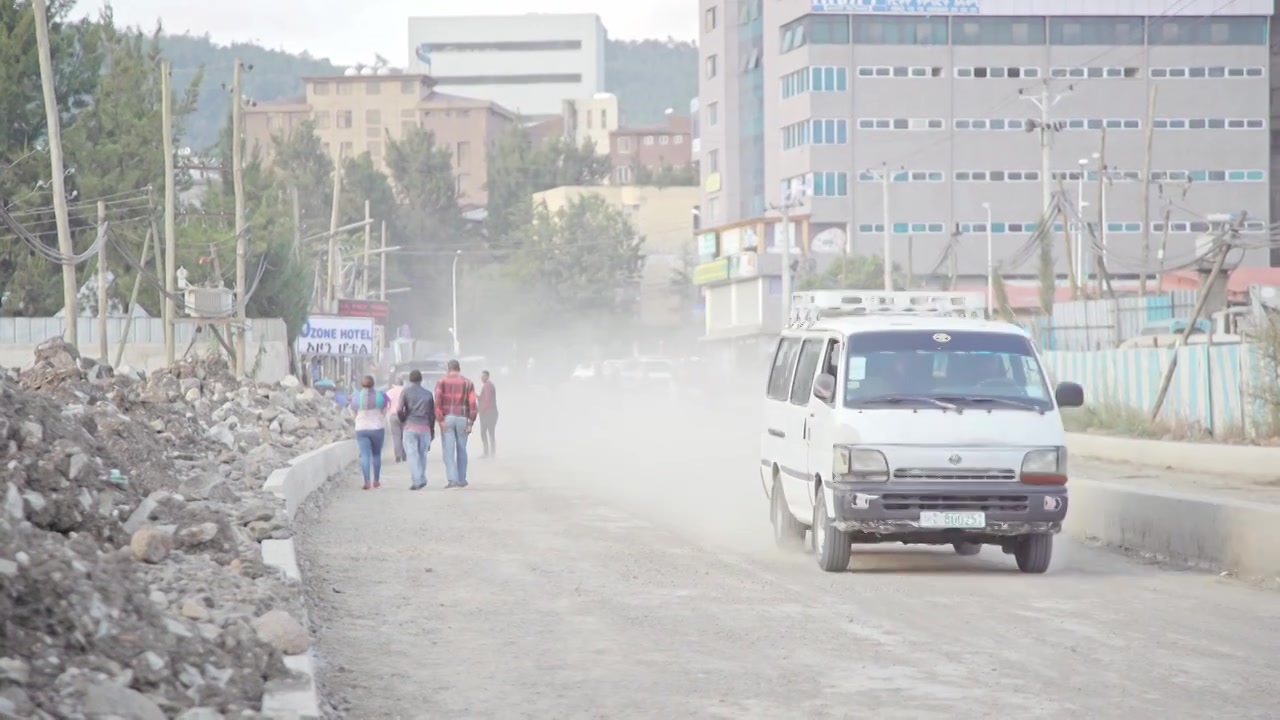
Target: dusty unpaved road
631	575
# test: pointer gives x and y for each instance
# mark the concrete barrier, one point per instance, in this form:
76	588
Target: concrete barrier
304	475
1208	458
1210	533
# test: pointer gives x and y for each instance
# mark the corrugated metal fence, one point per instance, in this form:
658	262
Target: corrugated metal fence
1104	324
145	331
1214	388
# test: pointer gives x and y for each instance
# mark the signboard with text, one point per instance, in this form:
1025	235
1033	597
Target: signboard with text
379	310
334	336
925	7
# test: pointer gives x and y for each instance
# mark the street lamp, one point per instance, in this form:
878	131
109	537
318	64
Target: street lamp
454	330
991	262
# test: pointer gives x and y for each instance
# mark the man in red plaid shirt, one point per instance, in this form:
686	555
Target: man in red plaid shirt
456	409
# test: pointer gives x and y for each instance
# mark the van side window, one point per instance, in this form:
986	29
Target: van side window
810	356
831	363
784	362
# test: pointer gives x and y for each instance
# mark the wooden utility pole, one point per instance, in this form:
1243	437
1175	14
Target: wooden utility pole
170	217
103	351
241	338
1164	244
382	277
331	291
1146	192
297	220
368	246
1223	251
54	132
217	265
133	297
1072	277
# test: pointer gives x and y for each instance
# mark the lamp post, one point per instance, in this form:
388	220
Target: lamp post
991	262
454	330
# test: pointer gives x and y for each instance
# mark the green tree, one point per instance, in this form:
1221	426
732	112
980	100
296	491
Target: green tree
362	181
852	272
665	176
300	163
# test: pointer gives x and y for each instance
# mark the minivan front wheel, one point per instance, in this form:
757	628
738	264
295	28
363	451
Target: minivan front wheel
831	546
788	533
1033	553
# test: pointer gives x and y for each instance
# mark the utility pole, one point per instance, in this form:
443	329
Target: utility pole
170	217
242	242
1045	101
331	293
1072	277
368	245
297	220
103	351
1146	191
791	199
885	177
58	173
382	277
133	296
1100	263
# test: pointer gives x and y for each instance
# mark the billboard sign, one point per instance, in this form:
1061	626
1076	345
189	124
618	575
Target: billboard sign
923	7
379	310
334	336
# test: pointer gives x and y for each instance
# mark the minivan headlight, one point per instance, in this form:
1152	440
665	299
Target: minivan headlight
1047	466
855	464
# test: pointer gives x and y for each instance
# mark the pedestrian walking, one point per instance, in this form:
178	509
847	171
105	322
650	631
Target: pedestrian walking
418	413
394	423
370	408
488	415
456	414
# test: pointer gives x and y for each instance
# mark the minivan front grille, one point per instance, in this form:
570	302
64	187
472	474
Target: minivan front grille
985	503
957	474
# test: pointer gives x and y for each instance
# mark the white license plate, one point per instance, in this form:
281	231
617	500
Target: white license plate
963	520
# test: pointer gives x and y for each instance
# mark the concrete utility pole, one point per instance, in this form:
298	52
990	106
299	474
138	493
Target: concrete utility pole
242	242
382	277
297	220
1146	191
1100	264
331	293
170	217
885	177
1045	101
368	245
103	351
133	296
792	199
58	173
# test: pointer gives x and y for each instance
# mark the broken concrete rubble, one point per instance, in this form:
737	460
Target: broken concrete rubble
131	580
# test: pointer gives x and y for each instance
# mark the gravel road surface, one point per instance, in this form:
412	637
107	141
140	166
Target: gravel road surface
619	565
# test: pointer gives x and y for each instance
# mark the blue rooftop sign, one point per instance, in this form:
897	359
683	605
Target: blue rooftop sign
922	7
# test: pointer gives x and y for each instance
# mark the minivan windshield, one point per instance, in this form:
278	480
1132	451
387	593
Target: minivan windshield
941	369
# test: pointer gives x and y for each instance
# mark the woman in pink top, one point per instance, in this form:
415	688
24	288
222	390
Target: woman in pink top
370	407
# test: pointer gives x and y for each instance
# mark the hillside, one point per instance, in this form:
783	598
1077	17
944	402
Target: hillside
648	76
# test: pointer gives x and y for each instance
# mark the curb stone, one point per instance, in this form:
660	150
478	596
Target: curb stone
1211	458
293	484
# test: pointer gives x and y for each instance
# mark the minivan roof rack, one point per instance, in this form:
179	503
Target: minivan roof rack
808	307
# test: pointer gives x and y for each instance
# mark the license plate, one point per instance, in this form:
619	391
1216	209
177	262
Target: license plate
963	520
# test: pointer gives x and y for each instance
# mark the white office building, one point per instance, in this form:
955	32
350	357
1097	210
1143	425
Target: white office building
526	63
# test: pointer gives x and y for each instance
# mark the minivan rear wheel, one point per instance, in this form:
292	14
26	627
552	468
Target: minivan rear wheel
788	533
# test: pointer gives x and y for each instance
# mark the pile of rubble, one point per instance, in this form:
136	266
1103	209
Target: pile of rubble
131	512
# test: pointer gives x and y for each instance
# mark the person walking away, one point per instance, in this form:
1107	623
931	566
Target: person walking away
418	413
456	414
488	415
394	424
370	408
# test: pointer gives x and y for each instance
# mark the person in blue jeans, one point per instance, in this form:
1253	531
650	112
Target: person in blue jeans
370	408
417	412
456	409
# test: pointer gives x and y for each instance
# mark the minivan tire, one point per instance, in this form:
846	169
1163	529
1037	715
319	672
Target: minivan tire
1034	552
832	547
967	548
788	533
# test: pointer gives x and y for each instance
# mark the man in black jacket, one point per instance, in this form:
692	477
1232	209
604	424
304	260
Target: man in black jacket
417	412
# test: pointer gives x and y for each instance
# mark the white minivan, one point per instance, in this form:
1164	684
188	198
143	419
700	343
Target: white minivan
908	417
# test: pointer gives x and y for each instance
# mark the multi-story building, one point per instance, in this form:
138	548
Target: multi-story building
594	118
653	148
528	63
945	97
360	112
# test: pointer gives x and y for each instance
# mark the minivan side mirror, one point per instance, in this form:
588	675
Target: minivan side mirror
1069	395
824	388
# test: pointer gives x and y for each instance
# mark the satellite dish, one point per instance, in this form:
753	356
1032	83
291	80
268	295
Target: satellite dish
367	71
350	72
423	53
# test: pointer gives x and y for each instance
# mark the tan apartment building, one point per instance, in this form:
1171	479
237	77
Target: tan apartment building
651	147
359	112
663	217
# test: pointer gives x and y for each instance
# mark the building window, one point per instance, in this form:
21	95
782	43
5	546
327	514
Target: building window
664	139
677	139
623	174
1210	124
709	20
623	143
829	79
407	87
1208	31
345	88
830	184
997	176
374	148
713	114
902	124
320	88
710	66
713	161
648	140
905	176
900	71
373	117
462	155
407	127
1101	123
906	228
830	131
990	124
1094	73
872	30
1211	71
997	72
604	119
344	119
321	118
795	35
372	87
347	149
829	30
970	30
1097	30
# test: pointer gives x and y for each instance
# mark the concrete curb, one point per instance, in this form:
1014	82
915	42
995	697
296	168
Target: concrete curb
1211	458
304	475
1210	533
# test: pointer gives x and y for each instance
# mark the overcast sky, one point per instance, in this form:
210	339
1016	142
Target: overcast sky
350	31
